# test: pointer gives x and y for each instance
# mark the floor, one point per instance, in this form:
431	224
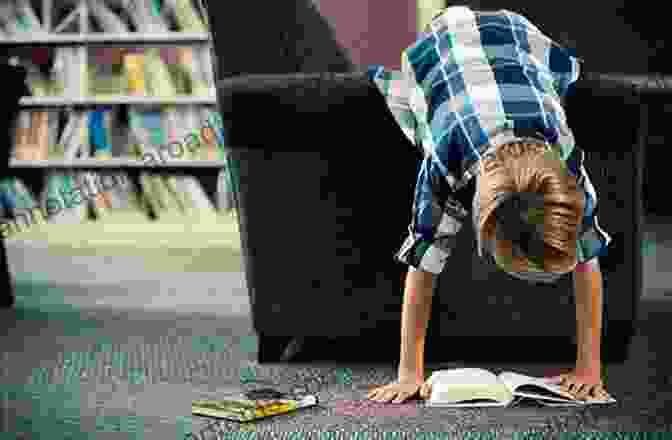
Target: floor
87	356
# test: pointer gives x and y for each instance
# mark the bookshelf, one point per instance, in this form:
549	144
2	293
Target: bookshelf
189	204
58	101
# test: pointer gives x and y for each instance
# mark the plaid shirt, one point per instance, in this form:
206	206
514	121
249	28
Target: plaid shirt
471	82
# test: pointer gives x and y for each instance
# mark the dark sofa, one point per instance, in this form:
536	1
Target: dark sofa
320	219
319	224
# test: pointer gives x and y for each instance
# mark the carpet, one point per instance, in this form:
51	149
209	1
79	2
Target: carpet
89	352
108	372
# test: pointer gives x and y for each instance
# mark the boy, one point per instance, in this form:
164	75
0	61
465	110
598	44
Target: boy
481	93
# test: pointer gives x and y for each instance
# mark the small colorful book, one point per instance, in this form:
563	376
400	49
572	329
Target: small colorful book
240	408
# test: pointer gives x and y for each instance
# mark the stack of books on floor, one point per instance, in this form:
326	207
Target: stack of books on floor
250	406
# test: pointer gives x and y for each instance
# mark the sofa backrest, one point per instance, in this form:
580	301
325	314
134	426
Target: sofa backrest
330	165
279	37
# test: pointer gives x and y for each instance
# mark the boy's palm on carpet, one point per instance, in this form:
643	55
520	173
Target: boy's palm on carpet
581	386
398	391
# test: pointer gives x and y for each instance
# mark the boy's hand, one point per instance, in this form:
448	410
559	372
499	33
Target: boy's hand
400	390
582	386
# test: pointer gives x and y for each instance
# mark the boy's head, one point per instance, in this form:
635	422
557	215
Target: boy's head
530	208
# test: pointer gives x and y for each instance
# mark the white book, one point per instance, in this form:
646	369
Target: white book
71	138
70	71
25	10
196	196
206	68
225	195
143	18
476	387
106	19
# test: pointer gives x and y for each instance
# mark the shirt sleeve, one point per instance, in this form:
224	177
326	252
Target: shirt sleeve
396	88
438	216
565	68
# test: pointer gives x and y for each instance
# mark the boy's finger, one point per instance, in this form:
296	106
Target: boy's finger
552	380
372	392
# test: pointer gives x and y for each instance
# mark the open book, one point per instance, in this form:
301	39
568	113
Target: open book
469	387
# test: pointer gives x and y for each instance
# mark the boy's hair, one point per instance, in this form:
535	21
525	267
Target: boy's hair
515	172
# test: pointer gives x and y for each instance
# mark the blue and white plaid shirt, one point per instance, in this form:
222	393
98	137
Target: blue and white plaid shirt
474	81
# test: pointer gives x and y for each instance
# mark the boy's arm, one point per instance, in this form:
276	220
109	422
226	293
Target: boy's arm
588	298
414	318
586	378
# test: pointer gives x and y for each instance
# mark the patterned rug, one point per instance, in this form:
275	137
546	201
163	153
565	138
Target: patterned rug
111	372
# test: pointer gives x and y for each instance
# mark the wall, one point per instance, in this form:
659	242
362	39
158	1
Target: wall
374	31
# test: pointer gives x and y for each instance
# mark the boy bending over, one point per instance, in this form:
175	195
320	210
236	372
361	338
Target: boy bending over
481	94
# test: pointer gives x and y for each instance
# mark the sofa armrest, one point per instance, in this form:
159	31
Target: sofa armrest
646	86
283	112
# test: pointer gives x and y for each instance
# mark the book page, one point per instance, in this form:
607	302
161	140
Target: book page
537	388
467	387
533	387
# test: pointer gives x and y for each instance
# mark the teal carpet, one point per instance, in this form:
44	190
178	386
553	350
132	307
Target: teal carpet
122	358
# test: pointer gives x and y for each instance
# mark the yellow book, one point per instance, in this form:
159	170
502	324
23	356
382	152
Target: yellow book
241	409
135	72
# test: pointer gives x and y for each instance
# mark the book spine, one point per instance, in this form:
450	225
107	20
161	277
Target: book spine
108	20
135	71
159	80
21	136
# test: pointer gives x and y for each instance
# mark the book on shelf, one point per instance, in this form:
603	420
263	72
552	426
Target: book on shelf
19	19
195	201
134	65
159	81
186	16
475	387
160	198
70	72
194	60
18	206
226	201
145	16
63	199
34	132
100	131
113	193
107	20
239	408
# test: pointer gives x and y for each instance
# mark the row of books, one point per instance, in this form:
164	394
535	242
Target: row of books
73	197
18	17
148	71
171	134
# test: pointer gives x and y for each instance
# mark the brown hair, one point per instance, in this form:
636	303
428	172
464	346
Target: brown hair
532	167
